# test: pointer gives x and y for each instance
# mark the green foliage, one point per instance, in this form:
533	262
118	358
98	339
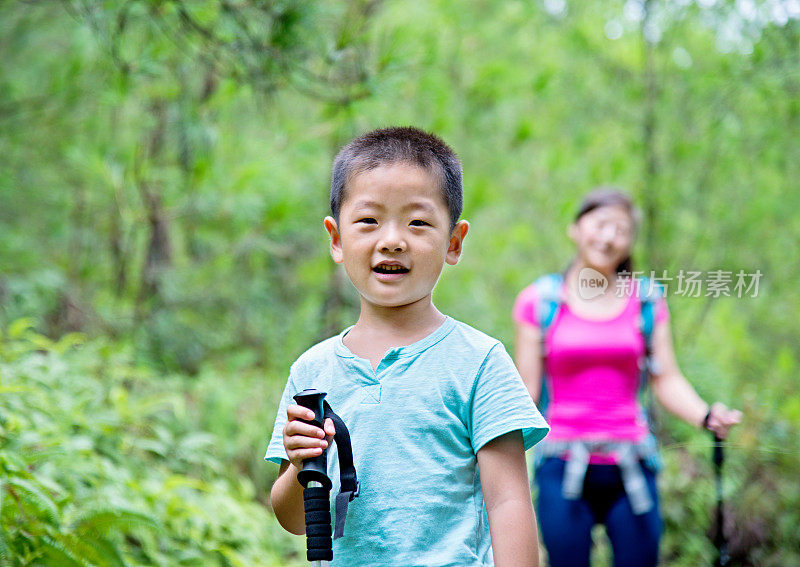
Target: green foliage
98	470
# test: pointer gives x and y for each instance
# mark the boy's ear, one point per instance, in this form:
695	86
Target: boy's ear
456	242
336	239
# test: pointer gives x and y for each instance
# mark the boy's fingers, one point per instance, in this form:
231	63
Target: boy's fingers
303	454
292	442
294	411
303	441
330	430
303	429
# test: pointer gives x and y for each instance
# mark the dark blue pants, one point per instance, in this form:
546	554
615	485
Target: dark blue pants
567	524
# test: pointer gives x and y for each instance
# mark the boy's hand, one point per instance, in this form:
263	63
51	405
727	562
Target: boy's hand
301	440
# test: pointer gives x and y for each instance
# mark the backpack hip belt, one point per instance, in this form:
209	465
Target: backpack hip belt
628	455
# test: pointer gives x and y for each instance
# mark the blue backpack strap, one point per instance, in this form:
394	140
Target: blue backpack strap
549	290
649	292
550	298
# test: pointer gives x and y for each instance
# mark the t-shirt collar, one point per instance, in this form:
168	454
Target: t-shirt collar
407	350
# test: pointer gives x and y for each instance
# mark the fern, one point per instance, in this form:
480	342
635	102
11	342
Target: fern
33	500
104	521
143	508
97	552
5	550
109	554
60	553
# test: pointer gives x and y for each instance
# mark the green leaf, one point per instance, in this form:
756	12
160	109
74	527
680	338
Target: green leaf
60	552
5	550
35	501
105	521
18	328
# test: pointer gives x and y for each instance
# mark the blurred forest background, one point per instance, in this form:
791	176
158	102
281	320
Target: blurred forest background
164	168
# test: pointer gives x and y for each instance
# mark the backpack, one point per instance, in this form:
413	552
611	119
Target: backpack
550	293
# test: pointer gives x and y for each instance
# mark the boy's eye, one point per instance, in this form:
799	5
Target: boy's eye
418	222
368	220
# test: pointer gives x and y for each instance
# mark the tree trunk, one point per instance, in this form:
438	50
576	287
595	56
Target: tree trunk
118	254
159	249
650	174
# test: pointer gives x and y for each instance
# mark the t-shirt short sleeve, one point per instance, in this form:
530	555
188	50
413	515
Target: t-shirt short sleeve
525	306
501	404
275	450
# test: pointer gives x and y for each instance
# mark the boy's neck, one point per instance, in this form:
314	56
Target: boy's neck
379	329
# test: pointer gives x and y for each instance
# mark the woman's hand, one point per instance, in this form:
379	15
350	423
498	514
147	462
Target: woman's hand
720	419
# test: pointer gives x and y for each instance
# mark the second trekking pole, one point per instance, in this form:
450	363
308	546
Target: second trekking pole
723	557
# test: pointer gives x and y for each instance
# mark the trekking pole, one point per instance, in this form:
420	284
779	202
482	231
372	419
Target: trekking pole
723	557
317	489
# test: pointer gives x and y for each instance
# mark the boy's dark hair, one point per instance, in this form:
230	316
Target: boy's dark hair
386	146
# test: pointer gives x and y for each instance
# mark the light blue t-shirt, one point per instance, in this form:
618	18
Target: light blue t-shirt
416	424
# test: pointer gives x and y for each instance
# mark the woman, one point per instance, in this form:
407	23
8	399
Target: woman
585	336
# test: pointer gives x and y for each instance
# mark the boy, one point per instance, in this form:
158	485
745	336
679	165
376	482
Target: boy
438	416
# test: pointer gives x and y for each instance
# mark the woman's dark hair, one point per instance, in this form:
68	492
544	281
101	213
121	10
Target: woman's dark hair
611	197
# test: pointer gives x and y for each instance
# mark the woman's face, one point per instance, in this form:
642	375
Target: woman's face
603	237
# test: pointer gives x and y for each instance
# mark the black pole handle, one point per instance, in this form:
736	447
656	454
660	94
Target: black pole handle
316	468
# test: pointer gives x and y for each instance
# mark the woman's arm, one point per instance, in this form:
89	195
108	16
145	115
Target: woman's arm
512	522
528	358
677	395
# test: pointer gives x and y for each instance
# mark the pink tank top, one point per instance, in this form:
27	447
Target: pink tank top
592	369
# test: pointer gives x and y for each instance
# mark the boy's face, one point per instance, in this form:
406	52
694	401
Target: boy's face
393	234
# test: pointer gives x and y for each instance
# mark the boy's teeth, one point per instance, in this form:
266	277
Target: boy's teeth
387	268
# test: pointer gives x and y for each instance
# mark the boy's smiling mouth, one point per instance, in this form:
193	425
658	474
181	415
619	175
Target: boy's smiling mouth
390	269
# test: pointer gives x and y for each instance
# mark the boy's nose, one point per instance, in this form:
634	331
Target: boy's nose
391	240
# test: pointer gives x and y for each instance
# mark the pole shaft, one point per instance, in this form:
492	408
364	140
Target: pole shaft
723	558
